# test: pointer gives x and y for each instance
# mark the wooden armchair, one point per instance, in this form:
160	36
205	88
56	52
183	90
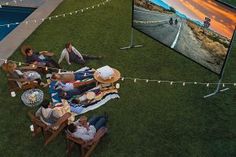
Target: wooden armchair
49	131
18	85
86	147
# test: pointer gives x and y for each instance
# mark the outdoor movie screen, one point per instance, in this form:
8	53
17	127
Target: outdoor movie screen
201	30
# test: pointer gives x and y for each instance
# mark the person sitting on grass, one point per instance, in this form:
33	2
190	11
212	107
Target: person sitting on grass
73	55
86	130
39	58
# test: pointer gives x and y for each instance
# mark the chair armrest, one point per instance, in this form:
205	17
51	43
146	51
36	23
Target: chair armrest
99	134
60	121
31	115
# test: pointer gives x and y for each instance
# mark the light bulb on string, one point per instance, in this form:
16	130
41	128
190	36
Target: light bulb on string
147	81
135	80
184	83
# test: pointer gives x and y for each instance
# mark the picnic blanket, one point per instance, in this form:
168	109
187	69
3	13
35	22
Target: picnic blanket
99	101
102	98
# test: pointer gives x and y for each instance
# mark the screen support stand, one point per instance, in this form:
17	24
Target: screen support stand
222	74
132	44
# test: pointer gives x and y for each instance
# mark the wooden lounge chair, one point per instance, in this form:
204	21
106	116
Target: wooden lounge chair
15	85
86	147
49	131
18	84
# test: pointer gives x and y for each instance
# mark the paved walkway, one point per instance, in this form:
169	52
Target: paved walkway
11	42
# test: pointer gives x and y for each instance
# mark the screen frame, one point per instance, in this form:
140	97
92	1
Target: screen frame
228	51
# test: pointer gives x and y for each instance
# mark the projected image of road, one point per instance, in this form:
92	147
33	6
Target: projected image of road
199	29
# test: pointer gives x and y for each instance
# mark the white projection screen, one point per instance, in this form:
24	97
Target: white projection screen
201	30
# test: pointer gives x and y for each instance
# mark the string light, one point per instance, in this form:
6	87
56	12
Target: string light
56	16
135	79
184	83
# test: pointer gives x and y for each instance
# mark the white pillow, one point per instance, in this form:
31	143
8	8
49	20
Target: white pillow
105	72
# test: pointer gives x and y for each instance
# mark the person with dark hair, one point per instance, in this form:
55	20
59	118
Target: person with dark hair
46	113
73	55
176	21
39	58
171	21
86	130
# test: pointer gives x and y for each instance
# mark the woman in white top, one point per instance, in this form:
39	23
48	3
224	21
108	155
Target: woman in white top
73	55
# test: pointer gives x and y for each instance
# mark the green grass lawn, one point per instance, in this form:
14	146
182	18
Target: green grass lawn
150	119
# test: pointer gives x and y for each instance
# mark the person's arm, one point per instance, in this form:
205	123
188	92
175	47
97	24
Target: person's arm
64	54
79	83
84	136
77	52
38	112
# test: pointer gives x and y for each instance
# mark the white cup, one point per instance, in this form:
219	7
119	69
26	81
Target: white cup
31	127
117	86
13	94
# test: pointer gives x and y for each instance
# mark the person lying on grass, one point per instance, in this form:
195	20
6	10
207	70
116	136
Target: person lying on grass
73	55
72	85
86	130
73	76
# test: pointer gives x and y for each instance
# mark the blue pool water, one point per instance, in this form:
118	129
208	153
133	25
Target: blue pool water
10	14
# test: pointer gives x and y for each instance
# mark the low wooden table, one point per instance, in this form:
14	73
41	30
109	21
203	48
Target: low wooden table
36	94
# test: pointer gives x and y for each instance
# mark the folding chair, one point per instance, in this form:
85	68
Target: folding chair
49	131
86	147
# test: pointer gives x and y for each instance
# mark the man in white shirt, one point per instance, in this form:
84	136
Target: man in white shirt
73	55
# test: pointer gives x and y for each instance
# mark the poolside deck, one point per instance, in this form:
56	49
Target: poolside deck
14	39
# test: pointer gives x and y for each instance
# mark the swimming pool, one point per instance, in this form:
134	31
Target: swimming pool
9	14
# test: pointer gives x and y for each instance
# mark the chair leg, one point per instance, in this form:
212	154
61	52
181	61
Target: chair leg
70	145
82	151
90	150
50	138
